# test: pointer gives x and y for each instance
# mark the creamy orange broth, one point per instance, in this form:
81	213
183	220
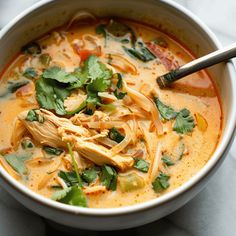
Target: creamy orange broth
197	93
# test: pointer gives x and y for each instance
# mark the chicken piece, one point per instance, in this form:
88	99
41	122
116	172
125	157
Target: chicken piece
95	190
98	153
46	133
97	116
18	132
56	132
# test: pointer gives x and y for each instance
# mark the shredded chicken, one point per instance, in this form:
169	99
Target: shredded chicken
95	190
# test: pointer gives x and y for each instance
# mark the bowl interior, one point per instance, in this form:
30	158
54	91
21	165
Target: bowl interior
168	17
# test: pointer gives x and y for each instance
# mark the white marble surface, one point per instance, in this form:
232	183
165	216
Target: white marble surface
212	212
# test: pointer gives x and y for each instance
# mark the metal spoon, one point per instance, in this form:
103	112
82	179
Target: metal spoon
208	60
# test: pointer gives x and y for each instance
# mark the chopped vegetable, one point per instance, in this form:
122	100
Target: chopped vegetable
72	196
33	115
53	151
27	143
70	178
51	94
32	48
109	177
201	122
140	52
131	182
45	59
141	165
119	85
167	160
13	86
184	122
90	175
161	183
115	135
30	73
166	112
17	162
74	164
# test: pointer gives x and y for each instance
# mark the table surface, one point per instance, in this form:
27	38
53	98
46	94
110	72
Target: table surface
212	212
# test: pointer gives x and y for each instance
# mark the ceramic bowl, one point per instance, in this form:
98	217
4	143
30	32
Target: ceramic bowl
167	16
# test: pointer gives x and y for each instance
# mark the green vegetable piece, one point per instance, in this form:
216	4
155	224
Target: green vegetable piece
53	151
60	75
45	59
74	164
27	144
161	183
180	150
17	162
72	196
51	94
141	165
109	177
90	175
140	52
33	115
184	122
32	48
70	178
131	182
167	160
99	85
101	29
115	135
30	73
166	112
14	86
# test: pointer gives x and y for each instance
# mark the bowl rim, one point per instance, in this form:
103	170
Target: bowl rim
212	162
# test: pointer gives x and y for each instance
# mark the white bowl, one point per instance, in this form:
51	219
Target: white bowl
173	19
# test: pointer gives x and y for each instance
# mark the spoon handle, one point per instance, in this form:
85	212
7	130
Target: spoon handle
203	62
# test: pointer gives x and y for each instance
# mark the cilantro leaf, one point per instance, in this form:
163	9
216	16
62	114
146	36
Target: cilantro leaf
184	122
53	151
70	178
109	177
141	165
98	85
161	182
17	162
166	112
72	196
115	135
167	160
30	73
51	94
59	74
33	115
89	175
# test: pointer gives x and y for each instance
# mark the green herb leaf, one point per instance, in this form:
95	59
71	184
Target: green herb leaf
60	75
33	115
27	144
32	48
166	112
74	164
14	86
184	122
51	94
90	175
70	178
109	177
30	73
45	59
141	165
167	160
98	85
72	196
161	183
140	52
53	151
115	135
17	162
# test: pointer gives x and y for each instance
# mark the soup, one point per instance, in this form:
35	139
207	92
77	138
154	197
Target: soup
84	122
